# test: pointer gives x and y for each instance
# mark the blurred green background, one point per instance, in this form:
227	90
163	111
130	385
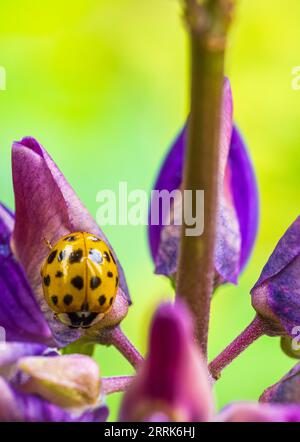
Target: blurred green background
103	86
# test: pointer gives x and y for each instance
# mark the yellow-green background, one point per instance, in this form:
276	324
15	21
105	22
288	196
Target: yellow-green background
103	85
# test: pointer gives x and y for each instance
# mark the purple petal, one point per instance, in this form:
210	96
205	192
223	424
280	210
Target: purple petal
276	295
238	207
253	412
20	407
285	251
20	314
173	381
285	391
245	194
11	352
46	207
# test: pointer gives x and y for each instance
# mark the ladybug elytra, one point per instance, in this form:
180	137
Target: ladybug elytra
80	279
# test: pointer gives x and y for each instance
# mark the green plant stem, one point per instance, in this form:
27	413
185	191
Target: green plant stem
207	24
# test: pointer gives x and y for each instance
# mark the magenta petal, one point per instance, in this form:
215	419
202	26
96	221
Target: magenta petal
46	207
253	412
20	407
20	314
238	210
173	381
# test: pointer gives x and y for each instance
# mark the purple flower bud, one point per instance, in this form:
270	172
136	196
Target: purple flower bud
46	207
39	385
285	391
275	296
238	204
16	406
172	384
68	381
21	318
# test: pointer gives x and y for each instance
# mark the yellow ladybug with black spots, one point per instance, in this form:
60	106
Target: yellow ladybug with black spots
80	279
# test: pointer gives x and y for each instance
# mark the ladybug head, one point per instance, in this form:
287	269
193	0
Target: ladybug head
81	319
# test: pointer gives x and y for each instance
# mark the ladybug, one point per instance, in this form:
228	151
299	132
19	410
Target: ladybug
80	279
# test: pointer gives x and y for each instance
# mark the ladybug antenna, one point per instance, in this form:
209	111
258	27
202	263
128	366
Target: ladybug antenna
47	243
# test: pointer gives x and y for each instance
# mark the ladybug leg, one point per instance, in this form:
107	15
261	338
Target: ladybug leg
47	243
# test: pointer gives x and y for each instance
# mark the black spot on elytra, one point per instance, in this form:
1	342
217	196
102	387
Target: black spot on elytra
102	299
54	299
70	238
111	301
61	255
95	282
75	256
96	256
112	257
51	256
117	281
47	280
77	282
68	299
59	274
110	274
106	256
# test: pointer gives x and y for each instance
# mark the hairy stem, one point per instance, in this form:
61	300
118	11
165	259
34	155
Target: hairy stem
116	384
207	23
120	341
254	330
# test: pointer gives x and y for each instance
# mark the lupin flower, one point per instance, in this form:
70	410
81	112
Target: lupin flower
46	208
39	385
173	385
254	412
275	296
285	391
238	203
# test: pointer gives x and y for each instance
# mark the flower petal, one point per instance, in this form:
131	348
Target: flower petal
254	412
245	193
46	207
173	380
20	407
67	381
275	296
286	250
238	206
285	391
20	314
11	352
